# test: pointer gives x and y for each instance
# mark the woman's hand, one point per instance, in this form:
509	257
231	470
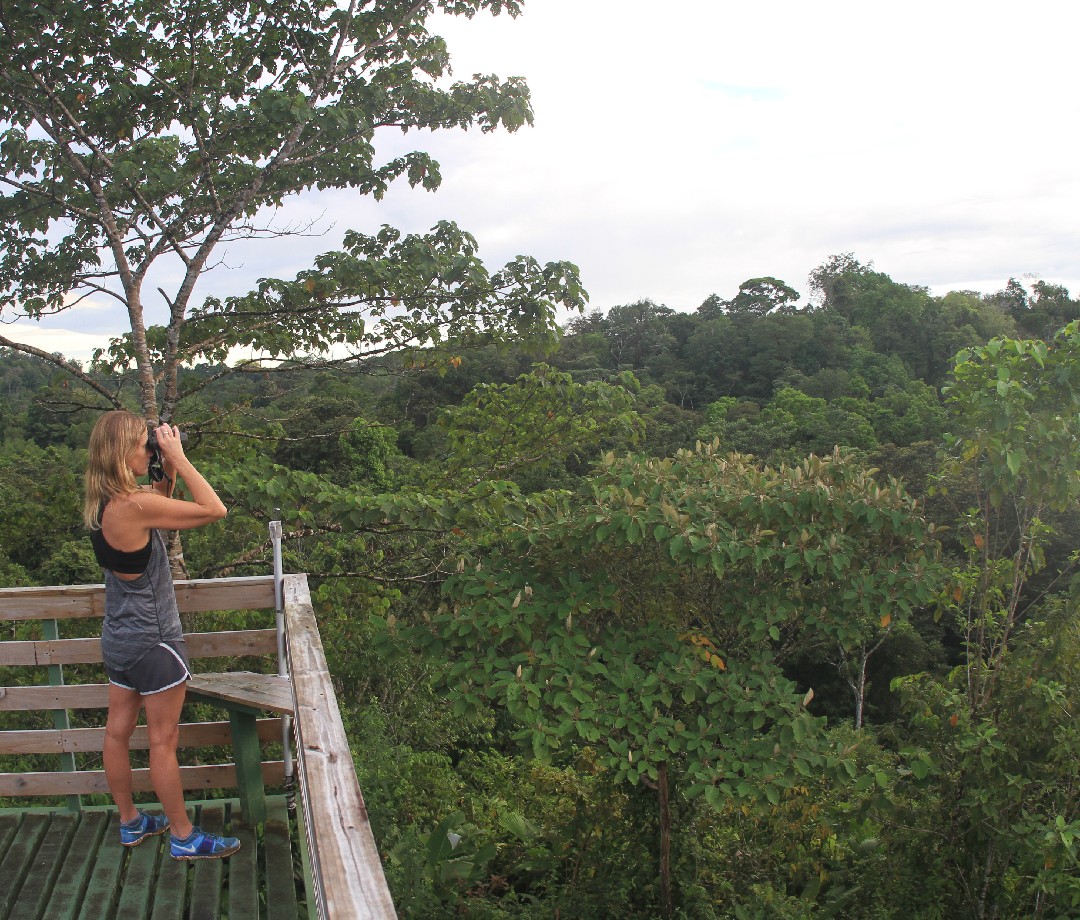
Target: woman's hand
171	451
169	444
167	513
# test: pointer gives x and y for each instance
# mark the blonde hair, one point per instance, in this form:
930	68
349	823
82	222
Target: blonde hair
112	441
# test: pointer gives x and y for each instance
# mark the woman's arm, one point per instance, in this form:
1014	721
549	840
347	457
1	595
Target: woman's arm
161	512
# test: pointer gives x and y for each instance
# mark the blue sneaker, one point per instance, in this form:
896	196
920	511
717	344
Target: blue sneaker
201	845
133	833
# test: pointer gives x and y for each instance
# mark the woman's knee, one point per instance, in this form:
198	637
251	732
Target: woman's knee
119	729
164	737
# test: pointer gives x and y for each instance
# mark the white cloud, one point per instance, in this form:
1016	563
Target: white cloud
77	346
681	148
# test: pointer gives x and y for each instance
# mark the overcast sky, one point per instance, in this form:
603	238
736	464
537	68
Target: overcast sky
682	147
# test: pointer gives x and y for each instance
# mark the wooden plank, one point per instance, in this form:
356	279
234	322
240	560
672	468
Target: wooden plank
82	740
104	886
19	857
170	889
244	875
80	696
280	877
9	827
349	878
63	603
13	653
196	596
253	592
232	643
136	894
223	644
86	782
245	688
75	873
44	868
206	886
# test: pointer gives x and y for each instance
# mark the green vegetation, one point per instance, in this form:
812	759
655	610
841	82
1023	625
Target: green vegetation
766	610
603	645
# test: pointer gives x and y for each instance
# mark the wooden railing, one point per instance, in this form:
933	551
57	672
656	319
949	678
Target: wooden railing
346	872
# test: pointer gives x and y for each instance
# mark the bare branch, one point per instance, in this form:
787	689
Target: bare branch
75	371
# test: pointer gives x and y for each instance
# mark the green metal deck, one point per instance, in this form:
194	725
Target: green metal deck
63	865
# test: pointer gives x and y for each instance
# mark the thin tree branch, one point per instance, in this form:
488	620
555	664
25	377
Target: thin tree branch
76	372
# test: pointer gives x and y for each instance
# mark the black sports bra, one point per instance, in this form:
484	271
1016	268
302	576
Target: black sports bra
116	560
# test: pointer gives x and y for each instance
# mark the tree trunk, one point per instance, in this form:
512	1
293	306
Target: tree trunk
175	548
665	842
860	691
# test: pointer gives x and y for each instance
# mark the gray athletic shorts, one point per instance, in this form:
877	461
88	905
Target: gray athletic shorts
163	667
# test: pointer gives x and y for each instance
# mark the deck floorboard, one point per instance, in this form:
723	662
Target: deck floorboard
44	868
280	885
244	876
75	872
70	866
19	858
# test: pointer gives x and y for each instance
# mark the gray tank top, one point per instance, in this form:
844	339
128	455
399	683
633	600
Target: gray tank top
140	613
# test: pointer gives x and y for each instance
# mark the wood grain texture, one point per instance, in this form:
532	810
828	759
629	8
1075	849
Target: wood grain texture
75	696
196	596
82	740
280	883
245	688
224	644
66	897
348	873
44	868
85	782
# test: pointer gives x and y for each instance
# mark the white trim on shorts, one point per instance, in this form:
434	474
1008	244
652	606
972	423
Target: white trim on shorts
178	657
117	683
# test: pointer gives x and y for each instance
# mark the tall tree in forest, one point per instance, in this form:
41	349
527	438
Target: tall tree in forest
136	137
760	296
999	824
647	617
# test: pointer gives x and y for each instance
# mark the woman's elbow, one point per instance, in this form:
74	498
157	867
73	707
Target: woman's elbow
212	513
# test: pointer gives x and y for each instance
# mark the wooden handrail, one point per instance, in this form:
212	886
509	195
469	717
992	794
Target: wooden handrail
87	782
66	602
346	871
224	644
92	740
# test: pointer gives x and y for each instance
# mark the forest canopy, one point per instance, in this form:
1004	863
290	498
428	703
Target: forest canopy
763	610
780	585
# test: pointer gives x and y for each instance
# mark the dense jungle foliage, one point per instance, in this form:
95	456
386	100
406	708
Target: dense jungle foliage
766	610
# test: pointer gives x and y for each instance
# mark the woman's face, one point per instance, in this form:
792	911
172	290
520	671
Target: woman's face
138	460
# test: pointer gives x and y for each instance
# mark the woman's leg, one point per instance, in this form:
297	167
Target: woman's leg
124	708
163	722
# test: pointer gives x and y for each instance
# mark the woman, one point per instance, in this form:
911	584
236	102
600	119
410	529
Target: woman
141	641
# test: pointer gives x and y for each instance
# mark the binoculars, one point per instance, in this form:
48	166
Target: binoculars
151	438
157	468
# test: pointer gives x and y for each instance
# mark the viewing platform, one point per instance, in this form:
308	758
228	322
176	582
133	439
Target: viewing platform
60	857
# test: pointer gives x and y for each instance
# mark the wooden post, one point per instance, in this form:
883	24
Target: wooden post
248	759
50	629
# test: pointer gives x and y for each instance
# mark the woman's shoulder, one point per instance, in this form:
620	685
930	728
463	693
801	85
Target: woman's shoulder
128	502
123	512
